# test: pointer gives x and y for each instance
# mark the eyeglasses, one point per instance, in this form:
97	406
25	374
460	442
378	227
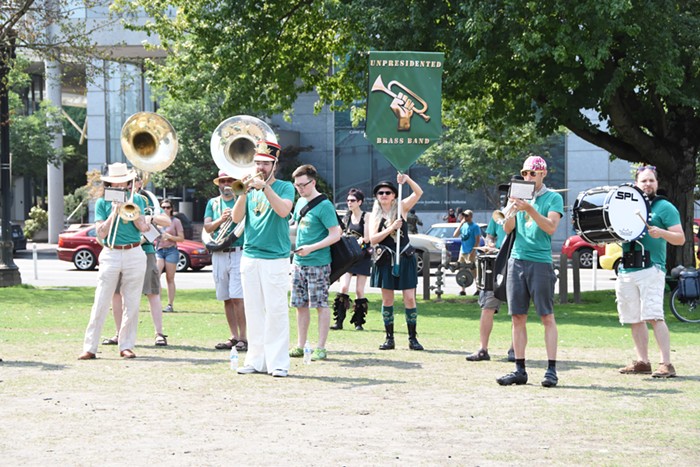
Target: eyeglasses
350	200
531	173
646	167
384	193
166	207
302	185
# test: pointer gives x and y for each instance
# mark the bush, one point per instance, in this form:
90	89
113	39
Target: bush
38	220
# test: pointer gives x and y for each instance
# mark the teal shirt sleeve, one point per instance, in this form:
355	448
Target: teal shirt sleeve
266	233
664	215
313	228
531	242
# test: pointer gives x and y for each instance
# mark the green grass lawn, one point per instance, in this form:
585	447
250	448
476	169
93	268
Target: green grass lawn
30	314
362	406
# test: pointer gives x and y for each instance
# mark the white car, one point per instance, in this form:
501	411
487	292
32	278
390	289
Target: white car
438	237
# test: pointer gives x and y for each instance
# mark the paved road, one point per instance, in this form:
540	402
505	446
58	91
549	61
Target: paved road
48	271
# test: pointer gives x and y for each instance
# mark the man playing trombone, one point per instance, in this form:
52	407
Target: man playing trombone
226	262
122	256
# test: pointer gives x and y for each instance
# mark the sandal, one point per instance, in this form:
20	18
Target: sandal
161	340
478	356
242	345
111	341
228	345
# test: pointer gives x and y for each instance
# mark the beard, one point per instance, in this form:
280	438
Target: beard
226	191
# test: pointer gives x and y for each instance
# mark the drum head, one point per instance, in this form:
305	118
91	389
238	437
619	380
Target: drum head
626	209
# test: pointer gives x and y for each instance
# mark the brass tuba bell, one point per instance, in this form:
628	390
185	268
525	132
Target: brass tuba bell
233	144
149	142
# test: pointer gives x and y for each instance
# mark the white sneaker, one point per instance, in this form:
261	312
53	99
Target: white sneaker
279	373
168	309
246	370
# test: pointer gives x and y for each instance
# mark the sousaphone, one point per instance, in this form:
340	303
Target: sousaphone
232	147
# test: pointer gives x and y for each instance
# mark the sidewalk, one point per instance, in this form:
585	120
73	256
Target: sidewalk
54	273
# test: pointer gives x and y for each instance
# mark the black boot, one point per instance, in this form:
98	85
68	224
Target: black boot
359	312
340	307
413	343
389	342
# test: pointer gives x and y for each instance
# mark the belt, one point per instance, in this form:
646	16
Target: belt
232	250
126	247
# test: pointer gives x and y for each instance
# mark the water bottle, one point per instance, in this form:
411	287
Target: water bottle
234	358
307	353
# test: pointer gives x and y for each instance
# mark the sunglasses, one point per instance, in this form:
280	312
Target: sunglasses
531	173
350	200
384	193
646	167
166	207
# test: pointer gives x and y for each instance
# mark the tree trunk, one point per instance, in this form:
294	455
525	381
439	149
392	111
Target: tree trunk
680	187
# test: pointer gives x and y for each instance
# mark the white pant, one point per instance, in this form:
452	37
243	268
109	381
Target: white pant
131	264
265	286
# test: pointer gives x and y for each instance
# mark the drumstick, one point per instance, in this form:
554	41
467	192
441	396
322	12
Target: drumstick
639	213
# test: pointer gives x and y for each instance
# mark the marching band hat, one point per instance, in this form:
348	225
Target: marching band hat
267	151
534	163
118	173
385	184
222	174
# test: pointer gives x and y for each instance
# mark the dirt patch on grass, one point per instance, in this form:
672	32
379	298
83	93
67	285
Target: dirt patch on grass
182	405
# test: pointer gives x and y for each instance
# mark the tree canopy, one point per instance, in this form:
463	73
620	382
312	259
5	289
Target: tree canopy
633	65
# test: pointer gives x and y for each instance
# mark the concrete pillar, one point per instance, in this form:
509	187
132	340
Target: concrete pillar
54	174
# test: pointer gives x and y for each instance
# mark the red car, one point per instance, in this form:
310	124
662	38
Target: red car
78	244
585	249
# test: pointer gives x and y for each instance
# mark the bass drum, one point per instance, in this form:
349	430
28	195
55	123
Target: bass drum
611	214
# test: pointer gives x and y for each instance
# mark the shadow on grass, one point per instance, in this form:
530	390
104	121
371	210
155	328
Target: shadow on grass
377	363
190	360
30	364
627	391
349	382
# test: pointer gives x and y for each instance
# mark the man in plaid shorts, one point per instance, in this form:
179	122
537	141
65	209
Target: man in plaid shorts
317	230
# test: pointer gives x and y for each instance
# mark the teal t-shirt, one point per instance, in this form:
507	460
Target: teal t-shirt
531	242
664	215
496	231
468	233
214	210
312	228
127	232
267	234
146	245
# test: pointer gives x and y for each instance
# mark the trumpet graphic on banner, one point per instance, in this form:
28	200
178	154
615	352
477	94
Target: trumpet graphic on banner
404	103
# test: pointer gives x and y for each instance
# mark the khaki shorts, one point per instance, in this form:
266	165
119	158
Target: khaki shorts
640	295
226	267
466	258
151	280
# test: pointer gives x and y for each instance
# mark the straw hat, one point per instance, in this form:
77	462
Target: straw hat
118	173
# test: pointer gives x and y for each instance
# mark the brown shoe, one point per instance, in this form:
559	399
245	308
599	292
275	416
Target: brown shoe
127	353
664	371
87	356
636	368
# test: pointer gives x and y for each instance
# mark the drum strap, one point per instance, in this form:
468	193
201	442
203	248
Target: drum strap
637	259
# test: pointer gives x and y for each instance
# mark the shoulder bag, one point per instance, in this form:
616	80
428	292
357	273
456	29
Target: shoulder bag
346	252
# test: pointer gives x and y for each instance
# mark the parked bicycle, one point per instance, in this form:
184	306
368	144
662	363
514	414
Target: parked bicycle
685	298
